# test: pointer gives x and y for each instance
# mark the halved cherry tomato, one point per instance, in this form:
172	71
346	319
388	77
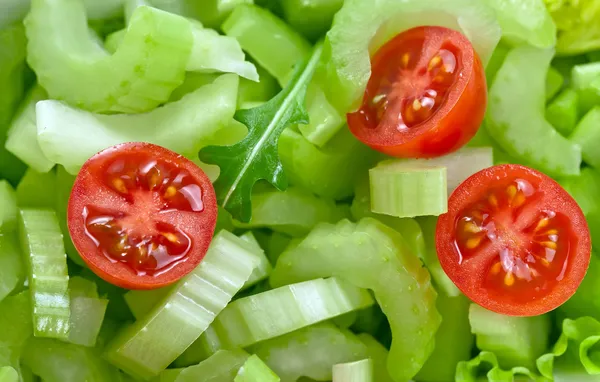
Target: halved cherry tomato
141	216
426	96
514	241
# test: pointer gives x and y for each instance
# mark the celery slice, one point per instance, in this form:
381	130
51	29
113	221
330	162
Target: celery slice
408	189
28	190
358	371
516	341
279	311
212	13
255	370
149	345
87	312
554	82
330	171
586	135
69	136
263	268
378	354
310	352
293	211
8	207
563	112
324	119
42	244
312	18
222	366
8	374
372	255
15	315
586	300
586	80
486	363
141	302
12	272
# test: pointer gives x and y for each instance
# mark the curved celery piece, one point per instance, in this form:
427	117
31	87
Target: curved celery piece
554	82
141	75
522	78
378	354
263	268
28	190
255	370
222	366
586	134
563	112
358	371
12	270
586	80
310	352
69	136
8	374
212	13
586	300
312	18
324	121
44	251
15	315
141	302
8	207
363	26
148	346
87	311
64	184
330	171
516	341
293	211
372	255
22	134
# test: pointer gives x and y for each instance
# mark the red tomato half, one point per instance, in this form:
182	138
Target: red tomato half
514	241
426	96
141	216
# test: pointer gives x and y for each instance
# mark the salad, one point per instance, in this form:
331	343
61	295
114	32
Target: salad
299	190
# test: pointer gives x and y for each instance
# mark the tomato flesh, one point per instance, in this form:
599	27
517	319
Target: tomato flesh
514	241
141	216
426	96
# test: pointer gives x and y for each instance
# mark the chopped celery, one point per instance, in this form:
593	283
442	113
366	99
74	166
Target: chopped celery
279	311
12	272
378	354
212	13
358	371
8	374
585	189
64	184
312	18
563	112
586	80
148	346
70	136
261	91
408	189
8	207
516	99
516	341
140	75
330	171
310	352
293	211
324	120
586	300
577	25
255	370
28	190
220	367
15	315
274	243
87	312
364	26
44	251
586	135
263	268
141	302
372	255
554	82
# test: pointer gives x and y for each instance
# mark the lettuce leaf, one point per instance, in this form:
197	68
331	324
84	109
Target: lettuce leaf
577	23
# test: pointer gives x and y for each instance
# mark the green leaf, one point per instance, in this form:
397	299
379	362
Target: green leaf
256	157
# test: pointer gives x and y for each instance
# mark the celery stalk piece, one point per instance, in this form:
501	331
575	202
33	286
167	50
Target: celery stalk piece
222	366
293	211
361	27
64	184
486	363
87	312
203	348
8	207
16	324
70	136
310	352
358	371
148	346
324	120
519	85
516	341
408	189
12	272
263	268
586	78
28	190
8	374
312	18
330	171
255	370
586	300
554	82
586	135
266	315
13	10
141	302
22	134
212	13
372	255
378	354
44	251
563	112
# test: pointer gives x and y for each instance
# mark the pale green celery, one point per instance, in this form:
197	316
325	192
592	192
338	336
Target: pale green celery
310	352
358	371
378	354
324	121
44	253
203	348
276	244
148	346
263	268
408	189
330	171
516	99
312	18
141	302
361	27
211	13
12	11
139	76
12	272
293	211
22	134
372	255
252	92
183	126
453	340
28	190
586	80
563	112
586	135
554	82
102	10
222	366
15	313
586	300
8	207
255	370
8	374
87	312
584	189
516	341
113	40
82	287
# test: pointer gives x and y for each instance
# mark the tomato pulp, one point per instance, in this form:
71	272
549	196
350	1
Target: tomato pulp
141	216
514	241
426	96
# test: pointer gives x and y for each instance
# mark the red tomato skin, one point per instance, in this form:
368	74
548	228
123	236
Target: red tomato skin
449	129
467	280
120	274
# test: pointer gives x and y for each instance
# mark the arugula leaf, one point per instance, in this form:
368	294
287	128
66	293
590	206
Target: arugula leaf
256	157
